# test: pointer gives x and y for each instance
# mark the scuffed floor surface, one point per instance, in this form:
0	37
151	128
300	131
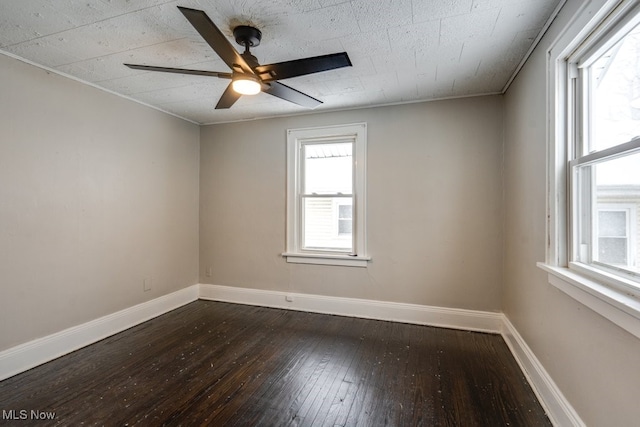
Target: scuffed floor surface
211	363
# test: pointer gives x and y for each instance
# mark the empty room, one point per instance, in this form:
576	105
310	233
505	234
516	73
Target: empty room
317	212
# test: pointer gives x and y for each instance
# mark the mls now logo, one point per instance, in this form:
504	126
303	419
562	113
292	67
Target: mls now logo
23	414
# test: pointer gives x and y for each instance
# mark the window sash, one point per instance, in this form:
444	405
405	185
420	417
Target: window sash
304	247
302	172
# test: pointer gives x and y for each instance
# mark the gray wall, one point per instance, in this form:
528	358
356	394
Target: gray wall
594	362
434	206
97	193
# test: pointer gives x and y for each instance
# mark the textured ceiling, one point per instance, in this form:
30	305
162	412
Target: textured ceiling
401	50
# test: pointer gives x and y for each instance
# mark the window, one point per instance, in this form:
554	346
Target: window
604	107
593	252
326	195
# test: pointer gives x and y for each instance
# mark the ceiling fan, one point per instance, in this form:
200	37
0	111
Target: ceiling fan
247	76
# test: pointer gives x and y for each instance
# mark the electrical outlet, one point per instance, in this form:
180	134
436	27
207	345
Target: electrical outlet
209	271
146	285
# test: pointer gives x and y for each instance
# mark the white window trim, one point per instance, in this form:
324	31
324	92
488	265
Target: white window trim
294	253
606	295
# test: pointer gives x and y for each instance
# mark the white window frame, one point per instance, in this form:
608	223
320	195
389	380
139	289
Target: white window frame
296	138
610	295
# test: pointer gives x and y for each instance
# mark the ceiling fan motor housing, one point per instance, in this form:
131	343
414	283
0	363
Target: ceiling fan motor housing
247	36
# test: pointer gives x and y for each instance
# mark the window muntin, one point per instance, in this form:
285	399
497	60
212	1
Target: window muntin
326	195
605	169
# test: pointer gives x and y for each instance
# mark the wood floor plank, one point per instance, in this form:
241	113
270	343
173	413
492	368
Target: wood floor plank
337	404
295	361
310	383
211	363
370	377
290	362
426	399
325	404
388	411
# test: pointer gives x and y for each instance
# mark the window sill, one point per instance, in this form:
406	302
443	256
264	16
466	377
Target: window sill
614	305
327	259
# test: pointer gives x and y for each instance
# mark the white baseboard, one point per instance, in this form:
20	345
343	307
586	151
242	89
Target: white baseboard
470	320
26	356
33	353
558	409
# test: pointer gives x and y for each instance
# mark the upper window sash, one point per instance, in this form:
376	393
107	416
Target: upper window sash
609	33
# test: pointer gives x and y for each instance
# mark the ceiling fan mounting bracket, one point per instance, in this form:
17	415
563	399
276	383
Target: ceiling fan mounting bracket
247	36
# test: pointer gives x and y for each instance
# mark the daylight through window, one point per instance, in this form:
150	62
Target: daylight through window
605	168
327	174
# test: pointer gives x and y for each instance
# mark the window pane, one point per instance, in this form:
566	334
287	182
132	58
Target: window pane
328	168
323	228
615	91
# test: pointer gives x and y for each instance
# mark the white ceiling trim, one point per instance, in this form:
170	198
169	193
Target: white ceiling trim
95	86
535	44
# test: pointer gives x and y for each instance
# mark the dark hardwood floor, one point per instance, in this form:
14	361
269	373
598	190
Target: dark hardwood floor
211	363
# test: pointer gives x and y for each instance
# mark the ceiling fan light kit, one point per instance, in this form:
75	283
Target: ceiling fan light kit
248	77
246	85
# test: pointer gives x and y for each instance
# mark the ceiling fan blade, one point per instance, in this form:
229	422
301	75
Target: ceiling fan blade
290	94
301	67
180	71
228	98
214	37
